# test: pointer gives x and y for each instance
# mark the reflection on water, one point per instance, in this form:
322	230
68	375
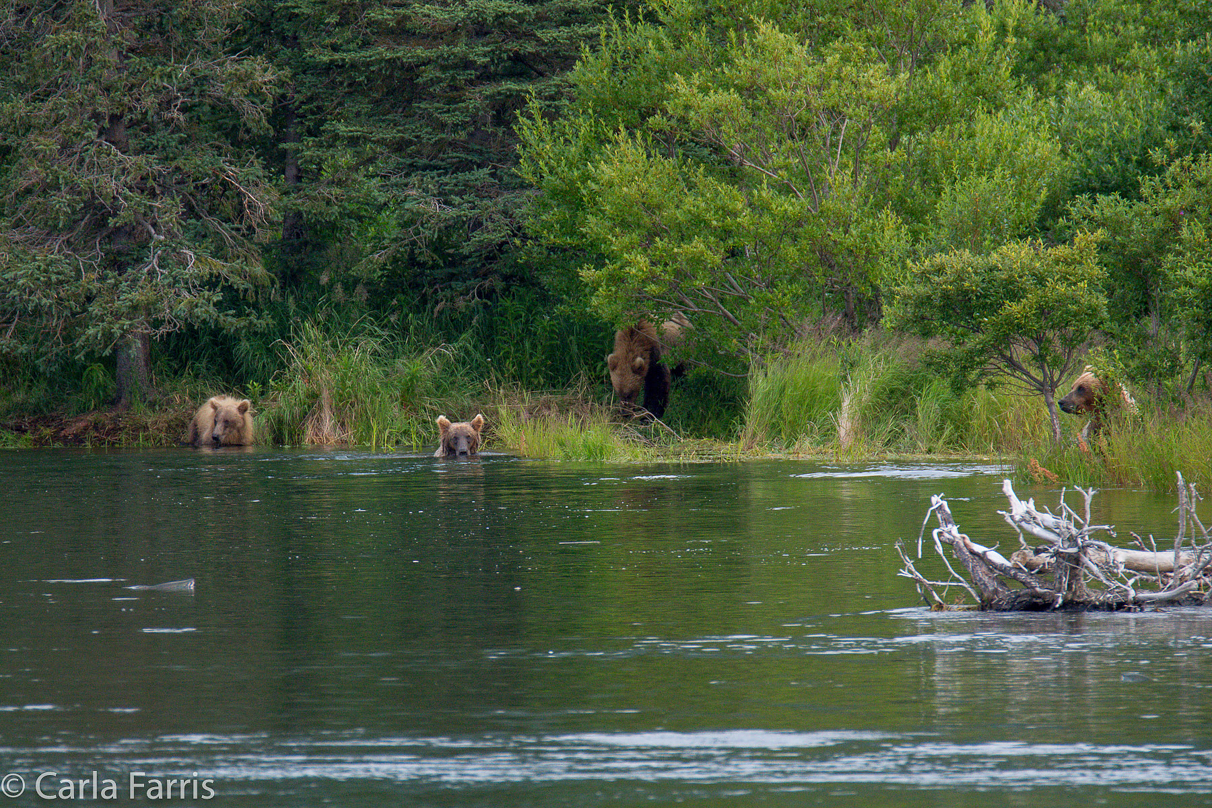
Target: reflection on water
903	472
383	629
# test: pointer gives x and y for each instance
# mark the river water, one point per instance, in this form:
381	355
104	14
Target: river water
383	630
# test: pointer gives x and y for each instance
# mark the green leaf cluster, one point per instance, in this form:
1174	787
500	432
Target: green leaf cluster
731	190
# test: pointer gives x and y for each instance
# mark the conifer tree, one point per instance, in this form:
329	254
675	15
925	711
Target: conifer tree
395	137
127	206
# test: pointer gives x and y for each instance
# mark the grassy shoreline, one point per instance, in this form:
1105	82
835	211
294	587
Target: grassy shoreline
863	400
567	427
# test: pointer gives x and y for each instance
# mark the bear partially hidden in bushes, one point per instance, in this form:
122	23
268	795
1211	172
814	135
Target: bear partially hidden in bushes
1090	394
635	364
222	421
459	440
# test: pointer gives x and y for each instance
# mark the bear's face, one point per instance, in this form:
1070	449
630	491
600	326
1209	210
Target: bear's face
1086	395
229	415
459	440
627	378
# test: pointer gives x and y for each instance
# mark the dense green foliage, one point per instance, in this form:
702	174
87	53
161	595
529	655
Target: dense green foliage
760	167
395	134
131	199
1023	312
223	194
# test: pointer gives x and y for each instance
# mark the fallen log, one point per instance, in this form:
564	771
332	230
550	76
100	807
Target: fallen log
1074	569
1132	560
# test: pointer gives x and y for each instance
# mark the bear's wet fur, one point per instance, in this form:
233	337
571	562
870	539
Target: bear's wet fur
635	364
1089	394
222	421
460	439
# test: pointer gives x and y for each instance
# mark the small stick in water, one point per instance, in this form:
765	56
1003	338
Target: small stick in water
186	586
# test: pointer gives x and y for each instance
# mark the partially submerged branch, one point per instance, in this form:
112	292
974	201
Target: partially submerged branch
1072	570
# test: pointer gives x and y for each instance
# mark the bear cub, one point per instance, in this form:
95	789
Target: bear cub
459	440
222	421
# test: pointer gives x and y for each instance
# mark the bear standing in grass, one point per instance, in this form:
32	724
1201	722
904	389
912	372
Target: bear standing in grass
459	440
222	421
635	364
1089	394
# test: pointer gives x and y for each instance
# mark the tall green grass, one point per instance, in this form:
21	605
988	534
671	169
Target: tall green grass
569	426
324	373
1140	450
564	437
793	399
863	398
521	338
360	385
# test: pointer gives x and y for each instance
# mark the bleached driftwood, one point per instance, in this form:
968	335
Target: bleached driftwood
1071	569
1133	560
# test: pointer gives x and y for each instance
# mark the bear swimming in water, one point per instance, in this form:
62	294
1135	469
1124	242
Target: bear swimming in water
459	439
222	421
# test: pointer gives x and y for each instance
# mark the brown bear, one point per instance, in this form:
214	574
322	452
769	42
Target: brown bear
459	440
635	364
222	421
1089	394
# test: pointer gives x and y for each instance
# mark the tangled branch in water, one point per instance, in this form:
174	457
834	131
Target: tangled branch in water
1072	570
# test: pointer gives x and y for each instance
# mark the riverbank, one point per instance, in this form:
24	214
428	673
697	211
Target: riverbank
854	401
1143	453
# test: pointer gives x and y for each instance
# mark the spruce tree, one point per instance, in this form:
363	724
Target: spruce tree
395	137
127	204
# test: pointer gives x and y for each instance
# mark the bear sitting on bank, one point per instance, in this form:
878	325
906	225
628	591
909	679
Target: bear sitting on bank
459	440
222	421
635	364
1089	394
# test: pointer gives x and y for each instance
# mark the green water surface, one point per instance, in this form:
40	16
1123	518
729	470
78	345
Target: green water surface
384	629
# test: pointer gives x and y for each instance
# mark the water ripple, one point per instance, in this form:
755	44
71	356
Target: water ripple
750	756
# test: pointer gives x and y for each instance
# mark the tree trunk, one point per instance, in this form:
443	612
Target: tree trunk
133	355
1053	415
850	313
134	370
294	245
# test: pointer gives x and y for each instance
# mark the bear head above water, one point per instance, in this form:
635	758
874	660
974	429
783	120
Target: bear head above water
460	439
222	421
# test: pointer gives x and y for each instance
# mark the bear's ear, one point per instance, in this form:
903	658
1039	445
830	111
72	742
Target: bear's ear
612	362
214	403
477	423
243	406
443	423
639	365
